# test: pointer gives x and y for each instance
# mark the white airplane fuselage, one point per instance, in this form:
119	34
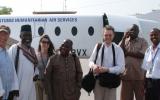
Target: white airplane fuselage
84	30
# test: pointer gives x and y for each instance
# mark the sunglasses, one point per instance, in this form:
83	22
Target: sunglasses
45	42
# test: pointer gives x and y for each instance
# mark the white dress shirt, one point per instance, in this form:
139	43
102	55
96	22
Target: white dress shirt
151	62
108	58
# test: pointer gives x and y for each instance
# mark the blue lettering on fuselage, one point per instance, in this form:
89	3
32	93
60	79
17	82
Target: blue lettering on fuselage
80	52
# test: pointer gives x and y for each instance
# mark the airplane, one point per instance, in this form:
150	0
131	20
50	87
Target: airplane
84	30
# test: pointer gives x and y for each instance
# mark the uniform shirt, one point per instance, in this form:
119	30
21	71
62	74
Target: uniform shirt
151	62
108	58
7	73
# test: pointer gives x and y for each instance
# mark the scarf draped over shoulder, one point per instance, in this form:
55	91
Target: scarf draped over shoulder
29	53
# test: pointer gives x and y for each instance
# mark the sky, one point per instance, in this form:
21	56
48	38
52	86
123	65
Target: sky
118	7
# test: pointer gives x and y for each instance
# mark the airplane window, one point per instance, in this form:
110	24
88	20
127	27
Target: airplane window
57	31
74	31
90	30
118	37
40	31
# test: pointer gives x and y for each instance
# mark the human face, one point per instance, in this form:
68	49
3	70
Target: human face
26	39
64	49
154	37
44	43
108	36
133	32
3	39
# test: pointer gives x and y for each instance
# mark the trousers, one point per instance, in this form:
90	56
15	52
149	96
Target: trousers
40	91
152	89
103	93
131	88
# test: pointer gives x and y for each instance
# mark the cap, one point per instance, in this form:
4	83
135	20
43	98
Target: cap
5	29
26	28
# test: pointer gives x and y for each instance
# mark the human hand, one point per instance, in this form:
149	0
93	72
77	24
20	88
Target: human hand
1	97
96	69
15	92
126	35
12	94
103	69
35	78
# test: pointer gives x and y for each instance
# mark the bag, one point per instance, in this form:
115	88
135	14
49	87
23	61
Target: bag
106	79
12	94
88	81
109	80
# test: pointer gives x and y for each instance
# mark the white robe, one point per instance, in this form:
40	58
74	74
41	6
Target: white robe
25	75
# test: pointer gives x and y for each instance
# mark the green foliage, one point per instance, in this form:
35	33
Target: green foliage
5	11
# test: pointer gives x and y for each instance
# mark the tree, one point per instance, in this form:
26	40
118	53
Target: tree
5	11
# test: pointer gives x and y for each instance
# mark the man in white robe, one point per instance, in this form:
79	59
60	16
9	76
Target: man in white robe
25	65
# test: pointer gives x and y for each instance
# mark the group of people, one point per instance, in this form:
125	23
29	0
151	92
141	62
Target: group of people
42	74
49	74
135	62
